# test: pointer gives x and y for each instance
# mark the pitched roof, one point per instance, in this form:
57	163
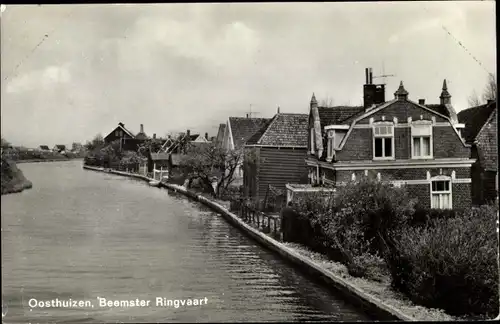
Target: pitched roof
243	128
474	118
220	133
44	147
61	146
160	156
141	136
283	130
193	137
122	127
338	115
439	108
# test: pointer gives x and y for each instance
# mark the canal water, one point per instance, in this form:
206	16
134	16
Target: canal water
83	235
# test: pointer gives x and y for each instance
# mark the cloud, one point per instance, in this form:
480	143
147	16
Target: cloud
452	18
228	47
39	79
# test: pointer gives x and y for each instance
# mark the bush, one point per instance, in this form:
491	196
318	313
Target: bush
423	216
450	263
353	226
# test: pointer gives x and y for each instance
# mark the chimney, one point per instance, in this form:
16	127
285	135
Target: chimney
421	101
206	136
373	94
154	135
247	115
121	124
142	128
278	109
188	134
169	136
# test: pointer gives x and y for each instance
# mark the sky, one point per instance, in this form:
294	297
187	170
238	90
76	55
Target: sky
70	72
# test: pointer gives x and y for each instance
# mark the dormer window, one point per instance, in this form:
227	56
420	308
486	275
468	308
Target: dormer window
383	141
421	144
335	135
331	134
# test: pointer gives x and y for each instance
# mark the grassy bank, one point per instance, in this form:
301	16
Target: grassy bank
13	179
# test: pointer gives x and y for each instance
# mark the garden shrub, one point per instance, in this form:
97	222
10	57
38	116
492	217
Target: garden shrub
422	216
353	226
451	263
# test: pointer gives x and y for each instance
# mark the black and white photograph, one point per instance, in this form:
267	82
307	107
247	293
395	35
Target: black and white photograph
249	162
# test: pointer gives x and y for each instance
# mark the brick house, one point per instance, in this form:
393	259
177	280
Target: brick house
401	141
481	133
275	156
238	130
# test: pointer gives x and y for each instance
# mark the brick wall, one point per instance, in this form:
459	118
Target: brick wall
447	144
402	110
461	195
359	146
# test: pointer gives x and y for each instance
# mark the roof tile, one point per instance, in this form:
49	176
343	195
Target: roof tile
283	130
243	128
474	118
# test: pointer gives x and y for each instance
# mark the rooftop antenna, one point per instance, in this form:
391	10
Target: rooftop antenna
384	76
249	113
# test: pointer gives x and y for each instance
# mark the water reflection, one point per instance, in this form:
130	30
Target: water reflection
81	235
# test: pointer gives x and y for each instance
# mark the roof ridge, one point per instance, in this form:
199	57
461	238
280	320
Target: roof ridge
487	119
273	120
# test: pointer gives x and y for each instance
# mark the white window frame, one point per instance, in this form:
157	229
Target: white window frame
446	192
312	140
331	137
391	135
413	135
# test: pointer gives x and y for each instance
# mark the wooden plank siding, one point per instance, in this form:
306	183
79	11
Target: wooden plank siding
279	166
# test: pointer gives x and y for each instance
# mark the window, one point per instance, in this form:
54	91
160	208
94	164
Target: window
421	144
441	194
383	142
331	135
117	133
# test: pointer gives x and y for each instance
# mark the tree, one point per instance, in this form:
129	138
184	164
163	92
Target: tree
96	143
489	93
210	162
150	145
5	143
327	102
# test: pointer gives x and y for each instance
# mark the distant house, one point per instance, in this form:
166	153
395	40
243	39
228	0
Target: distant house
44	148
481	132
238	130
275	156
157	161
200	139
128	140
59	148
181	144
220	135
76	147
